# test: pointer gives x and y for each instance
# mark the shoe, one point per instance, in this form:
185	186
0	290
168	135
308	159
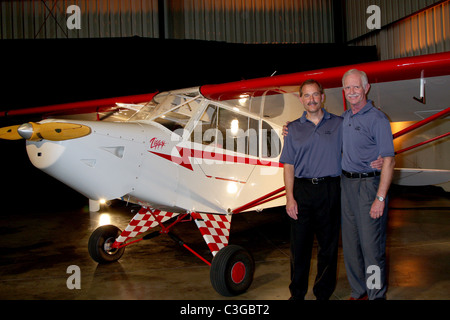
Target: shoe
364	297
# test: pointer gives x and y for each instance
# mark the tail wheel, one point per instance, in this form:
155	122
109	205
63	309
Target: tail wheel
100	244
232	271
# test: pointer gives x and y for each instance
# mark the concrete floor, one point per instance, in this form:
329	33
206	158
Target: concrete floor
40	242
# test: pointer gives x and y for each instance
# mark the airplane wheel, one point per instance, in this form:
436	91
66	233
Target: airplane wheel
100	244
232	270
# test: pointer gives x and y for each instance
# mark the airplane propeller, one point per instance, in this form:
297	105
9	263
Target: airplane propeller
10	133
54	131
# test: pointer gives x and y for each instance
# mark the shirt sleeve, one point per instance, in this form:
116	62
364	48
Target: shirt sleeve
287	154
384	137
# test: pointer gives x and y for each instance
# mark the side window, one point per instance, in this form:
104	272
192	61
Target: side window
233	130
253	137
271	143
227	129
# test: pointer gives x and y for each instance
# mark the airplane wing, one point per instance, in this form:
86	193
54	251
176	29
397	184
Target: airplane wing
379	71
89	106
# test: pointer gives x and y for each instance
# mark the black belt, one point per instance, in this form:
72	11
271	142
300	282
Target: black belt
354	175
317	180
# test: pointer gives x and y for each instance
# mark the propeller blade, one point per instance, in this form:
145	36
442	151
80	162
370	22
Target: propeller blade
10	133
54	131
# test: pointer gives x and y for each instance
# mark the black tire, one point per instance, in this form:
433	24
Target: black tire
99	244
232	271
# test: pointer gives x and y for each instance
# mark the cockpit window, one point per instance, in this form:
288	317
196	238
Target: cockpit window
145	112
172	111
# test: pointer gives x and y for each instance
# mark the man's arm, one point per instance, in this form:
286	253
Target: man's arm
387	171
291	204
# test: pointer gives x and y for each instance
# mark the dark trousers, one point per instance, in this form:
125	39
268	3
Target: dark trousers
318	214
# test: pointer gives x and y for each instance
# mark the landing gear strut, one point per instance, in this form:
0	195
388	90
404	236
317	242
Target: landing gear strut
232	267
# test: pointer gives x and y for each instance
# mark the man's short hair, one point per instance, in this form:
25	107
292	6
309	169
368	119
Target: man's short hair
310	81
362	74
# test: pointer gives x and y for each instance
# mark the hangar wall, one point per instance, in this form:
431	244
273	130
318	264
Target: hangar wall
239	21
408	27
406	30
257	21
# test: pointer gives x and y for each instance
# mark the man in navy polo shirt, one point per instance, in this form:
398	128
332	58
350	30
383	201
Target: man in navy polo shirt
366	136
312	167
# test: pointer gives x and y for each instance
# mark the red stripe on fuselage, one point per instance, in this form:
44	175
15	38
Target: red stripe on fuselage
186	153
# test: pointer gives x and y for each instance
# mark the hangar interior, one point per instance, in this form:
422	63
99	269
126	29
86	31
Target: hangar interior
62	51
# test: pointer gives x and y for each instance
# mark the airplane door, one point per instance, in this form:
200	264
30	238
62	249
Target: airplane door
229	148
229	142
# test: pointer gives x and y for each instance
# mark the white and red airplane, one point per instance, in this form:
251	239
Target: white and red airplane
209	152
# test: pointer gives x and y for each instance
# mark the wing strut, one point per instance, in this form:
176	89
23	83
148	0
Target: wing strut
268	197
420	124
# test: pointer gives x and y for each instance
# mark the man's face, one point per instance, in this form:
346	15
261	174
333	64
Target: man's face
311	98
354	91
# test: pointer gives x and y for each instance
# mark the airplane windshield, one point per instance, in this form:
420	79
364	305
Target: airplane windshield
172	111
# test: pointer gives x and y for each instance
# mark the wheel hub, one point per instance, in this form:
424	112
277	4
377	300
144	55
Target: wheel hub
107	246
238	272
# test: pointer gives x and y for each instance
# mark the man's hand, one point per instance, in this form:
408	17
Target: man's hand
291	208
285	129
377	164
376	211
291	204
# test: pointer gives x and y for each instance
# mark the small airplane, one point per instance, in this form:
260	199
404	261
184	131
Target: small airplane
206	153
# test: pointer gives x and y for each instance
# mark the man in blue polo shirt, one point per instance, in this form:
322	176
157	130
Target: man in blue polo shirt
312	166
366	136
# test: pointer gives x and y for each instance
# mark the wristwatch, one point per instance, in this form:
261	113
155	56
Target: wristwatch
380	198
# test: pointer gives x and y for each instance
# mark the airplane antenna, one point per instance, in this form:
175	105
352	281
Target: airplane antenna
273	73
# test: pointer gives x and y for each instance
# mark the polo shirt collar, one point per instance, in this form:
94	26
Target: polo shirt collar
366	108
326	115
